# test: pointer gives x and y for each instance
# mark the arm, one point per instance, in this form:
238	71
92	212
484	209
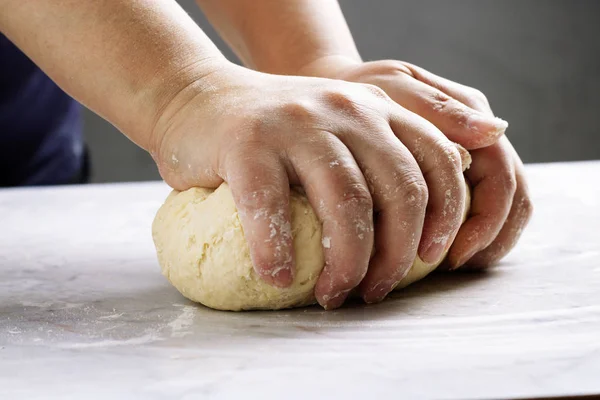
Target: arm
310	37
282	36
124	59
148	69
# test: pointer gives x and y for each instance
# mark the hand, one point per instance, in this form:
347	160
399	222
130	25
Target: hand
348	144
501	206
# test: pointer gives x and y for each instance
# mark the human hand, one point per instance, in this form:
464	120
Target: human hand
501	206
348	144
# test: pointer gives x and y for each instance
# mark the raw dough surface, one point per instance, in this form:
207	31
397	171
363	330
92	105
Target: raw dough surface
202	251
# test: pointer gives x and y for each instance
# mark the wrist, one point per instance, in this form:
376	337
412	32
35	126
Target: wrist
169	92
330	66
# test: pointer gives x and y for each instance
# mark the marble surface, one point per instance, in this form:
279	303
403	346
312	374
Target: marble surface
85	313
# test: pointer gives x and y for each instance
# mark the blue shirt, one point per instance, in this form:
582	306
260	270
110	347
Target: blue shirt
41	139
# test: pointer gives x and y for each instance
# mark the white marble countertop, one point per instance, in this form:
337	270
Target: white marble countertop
85	313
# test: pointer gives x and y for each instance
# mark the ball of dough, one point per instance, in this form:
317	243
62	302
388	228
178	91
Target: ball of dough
202	251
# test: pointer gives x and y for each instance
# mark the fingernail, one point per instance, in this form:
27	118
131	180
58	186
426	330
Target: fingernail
482	123
282	277
434	252
377	293
462	260
331	303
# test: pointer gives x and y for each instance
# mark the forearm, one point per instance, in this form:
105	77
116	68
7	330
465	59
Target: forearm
121	58
282	36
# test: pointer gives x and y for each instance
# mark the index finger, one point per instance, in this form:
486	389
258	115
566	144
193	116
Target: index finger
260	189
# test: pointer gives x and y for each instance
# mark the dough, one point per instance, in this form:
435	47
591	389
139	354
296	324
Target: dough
202	251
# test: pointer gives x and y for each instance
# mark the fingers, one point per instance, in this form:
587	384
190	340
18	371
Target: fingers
339	194
520	214
493	182
398	190
400	198
260	189
441	164
501	206
403	187
465	94
462	124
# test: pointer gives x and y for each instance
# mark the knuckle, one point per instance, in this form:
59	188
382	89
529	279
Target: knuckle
376	91
439	101
449	156
297	111
414	192
356	196
344	102
250	131
391	67
478	96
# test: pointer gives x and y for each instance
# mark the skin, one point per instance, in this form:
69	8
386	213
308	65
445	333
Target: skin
149	70
348	144
311	38
501	206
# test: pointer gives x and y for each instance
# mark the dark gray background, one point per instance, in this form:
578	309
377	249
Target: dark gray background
537	61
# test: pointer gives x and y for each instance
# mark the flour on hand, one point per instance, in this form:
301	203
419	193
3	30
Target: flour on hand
203	252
